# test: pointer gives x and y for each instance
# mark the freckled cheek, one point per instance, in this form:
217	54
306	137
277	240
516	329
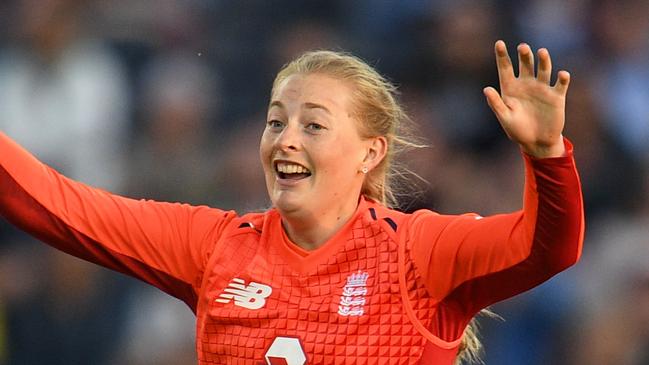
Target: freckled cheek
335	171
264	142
265	149
264	155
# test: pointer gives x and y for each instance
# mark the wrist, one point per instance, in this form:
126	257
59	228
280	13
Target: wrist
557	149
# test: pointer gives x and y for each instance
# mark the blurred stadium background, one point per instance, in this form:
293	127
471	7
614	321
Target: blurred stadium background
166	99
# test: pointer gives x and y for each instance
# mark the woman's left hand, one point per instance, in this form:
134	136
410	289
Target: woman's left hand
530	110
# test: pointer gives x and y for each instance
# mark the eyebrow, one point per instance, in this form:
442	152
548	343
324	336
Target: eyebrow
276	103
316	106
308	105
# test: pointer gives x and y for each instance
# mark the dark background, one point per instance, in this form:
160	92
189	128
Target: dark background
166	99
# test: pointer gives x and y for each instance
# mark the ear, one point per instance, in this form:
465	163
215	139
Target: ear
377	148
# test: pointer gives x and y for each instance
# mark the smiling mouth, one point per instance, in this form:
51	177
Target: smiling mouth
291	171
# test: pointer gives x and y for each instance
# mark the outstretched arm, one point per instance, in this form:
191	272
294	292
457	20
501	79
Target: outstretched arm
470	262
164	244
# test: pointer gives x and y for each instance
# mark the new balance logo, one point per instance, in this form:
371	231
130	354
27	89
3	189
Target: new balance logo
251	296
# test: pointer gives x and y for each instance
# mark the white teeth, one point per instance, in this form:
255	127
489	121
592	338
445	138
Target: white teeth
288	168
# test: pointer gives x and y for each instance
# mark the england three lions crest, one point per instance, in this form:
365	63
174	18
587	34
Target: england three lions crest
352	300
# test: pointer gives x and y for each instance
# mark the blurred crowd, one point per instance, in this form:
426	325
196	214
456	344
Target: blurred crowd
166	99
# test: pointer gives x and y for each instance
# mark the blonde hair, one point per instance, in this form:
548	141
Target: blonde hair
379	114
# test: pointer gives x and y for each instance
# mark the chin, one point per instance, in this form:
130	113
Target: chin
288	206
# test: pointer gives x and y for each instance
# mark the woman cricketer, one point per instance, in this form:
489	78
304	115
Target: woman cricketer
330	274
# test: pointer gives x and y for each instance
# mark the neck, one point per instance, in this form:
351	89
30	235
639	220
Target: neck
310	231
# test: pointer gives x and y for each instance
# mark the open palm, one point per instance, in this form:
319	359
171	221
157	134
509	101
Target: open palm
530	110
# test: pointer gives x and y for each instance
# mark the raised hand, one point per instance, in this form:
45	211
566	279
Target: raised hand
530	110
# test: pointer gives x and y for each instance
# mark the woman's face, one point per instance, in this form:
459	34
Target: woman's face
311	149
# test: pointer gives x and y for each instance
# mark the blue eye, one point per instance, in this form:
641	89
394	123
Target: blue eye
275	123
315	126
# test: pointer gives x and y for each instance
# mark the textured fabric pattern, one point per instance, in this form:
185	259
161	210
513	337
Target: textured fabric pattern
306	305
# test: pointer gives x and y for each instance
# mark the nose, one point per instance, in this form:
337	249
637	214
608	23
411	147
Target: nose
289	138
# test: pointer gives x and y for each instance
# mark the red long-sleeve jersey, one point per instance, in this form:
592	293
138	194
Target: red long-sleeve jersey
388	288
